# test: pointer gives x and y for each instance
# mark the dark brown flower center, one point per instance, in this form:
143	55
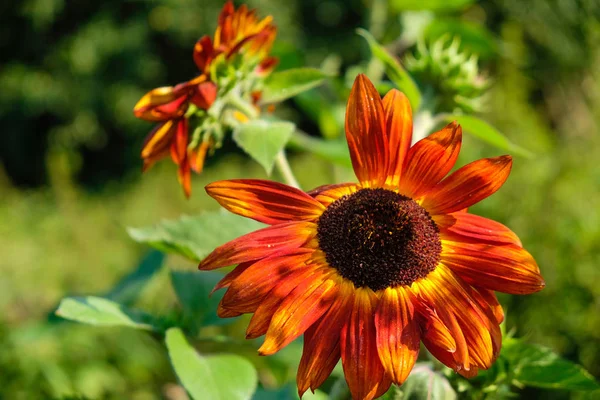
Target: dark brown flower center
378	238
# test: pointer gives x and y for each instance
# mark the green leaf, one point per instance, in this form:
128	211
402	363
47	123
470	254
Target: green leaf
423	383
394	70
193	290
288	392
263	140
335	150
285	84
103	312
431	5
195	237
482	130
474	38
539	366
215	377
128	289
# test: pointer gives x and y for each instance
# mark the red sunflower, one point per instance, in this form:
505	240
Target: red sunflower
367	271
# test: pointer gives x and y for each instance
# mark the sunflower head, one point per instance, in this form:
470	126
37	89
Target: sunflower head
442	68
367	271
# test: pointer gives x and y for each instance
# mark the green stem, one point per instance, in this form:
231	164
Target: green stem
284	168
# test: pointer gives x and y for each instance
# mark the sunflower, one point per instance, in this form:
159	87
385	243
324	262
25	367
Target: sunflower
368	270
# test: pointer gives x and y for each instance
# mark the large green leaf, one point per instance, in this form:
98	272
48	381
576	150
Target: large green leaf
482	130
538	366
394	70
285	84
335	150
128	289
423	383
215	377
263	140
193	289
432	5
194	237
103	312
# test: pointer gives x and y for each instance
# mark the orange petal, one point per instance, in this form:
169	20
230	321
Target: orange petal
158	142
398	337
258	280
203	53
184	177
503	268
364	372
180	142
468	185
322	342
266	66
429	160
231	276
492	302
162	103
198	155
399	126
260	321
271	241
265	201
365	132
327	194
470	226
434	328
299	310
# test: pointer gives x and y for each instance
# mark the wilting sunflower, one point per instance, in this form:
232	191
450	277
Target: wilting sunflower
367	271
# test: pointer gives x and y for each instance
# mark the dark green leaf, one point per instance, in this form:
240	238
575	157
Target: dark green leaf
128	289
423	383
394	70
335	150
538	366
432	5
102	312
482	130
215	377
193	290
194	237
285	84
263	140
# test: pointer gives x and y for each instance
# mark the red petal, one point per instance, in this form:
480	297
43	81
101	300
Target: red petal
327	194
429	160
299	310
205	95
503	268
157	143
265	201
163	103
468	185
398	337
204	52
365	132
399	126
231	276
266	66
364	372
474	227
322	343
184	177
180	142
272	241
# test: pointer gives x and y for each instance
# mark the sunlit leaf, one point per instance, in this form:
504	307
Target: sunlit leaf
263	140
423	383
193	290
128	289
394	70
194	237
482	130
432	5
539	366
215	377
335	150
103	312
285	84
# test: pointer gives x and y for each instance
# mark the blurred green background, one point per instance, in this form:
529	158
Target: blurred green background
70	173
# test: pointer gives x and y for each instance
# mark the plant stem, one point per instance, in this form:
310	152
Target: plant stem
284	168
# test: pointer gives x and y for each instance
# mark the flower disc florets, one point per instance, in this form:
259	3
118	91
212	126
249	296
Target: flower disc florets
378	238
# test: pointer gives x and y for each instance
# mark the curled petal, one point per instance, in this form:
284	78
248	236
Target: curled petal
468	185
158	143
204	95
180	142
398	336
434	329
203	53
231	276
491	301
366	134
364	372
163	103
429	160
503	268
399	126
198	155
265	201
470	226
322	342
271	241
299	310
184	177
